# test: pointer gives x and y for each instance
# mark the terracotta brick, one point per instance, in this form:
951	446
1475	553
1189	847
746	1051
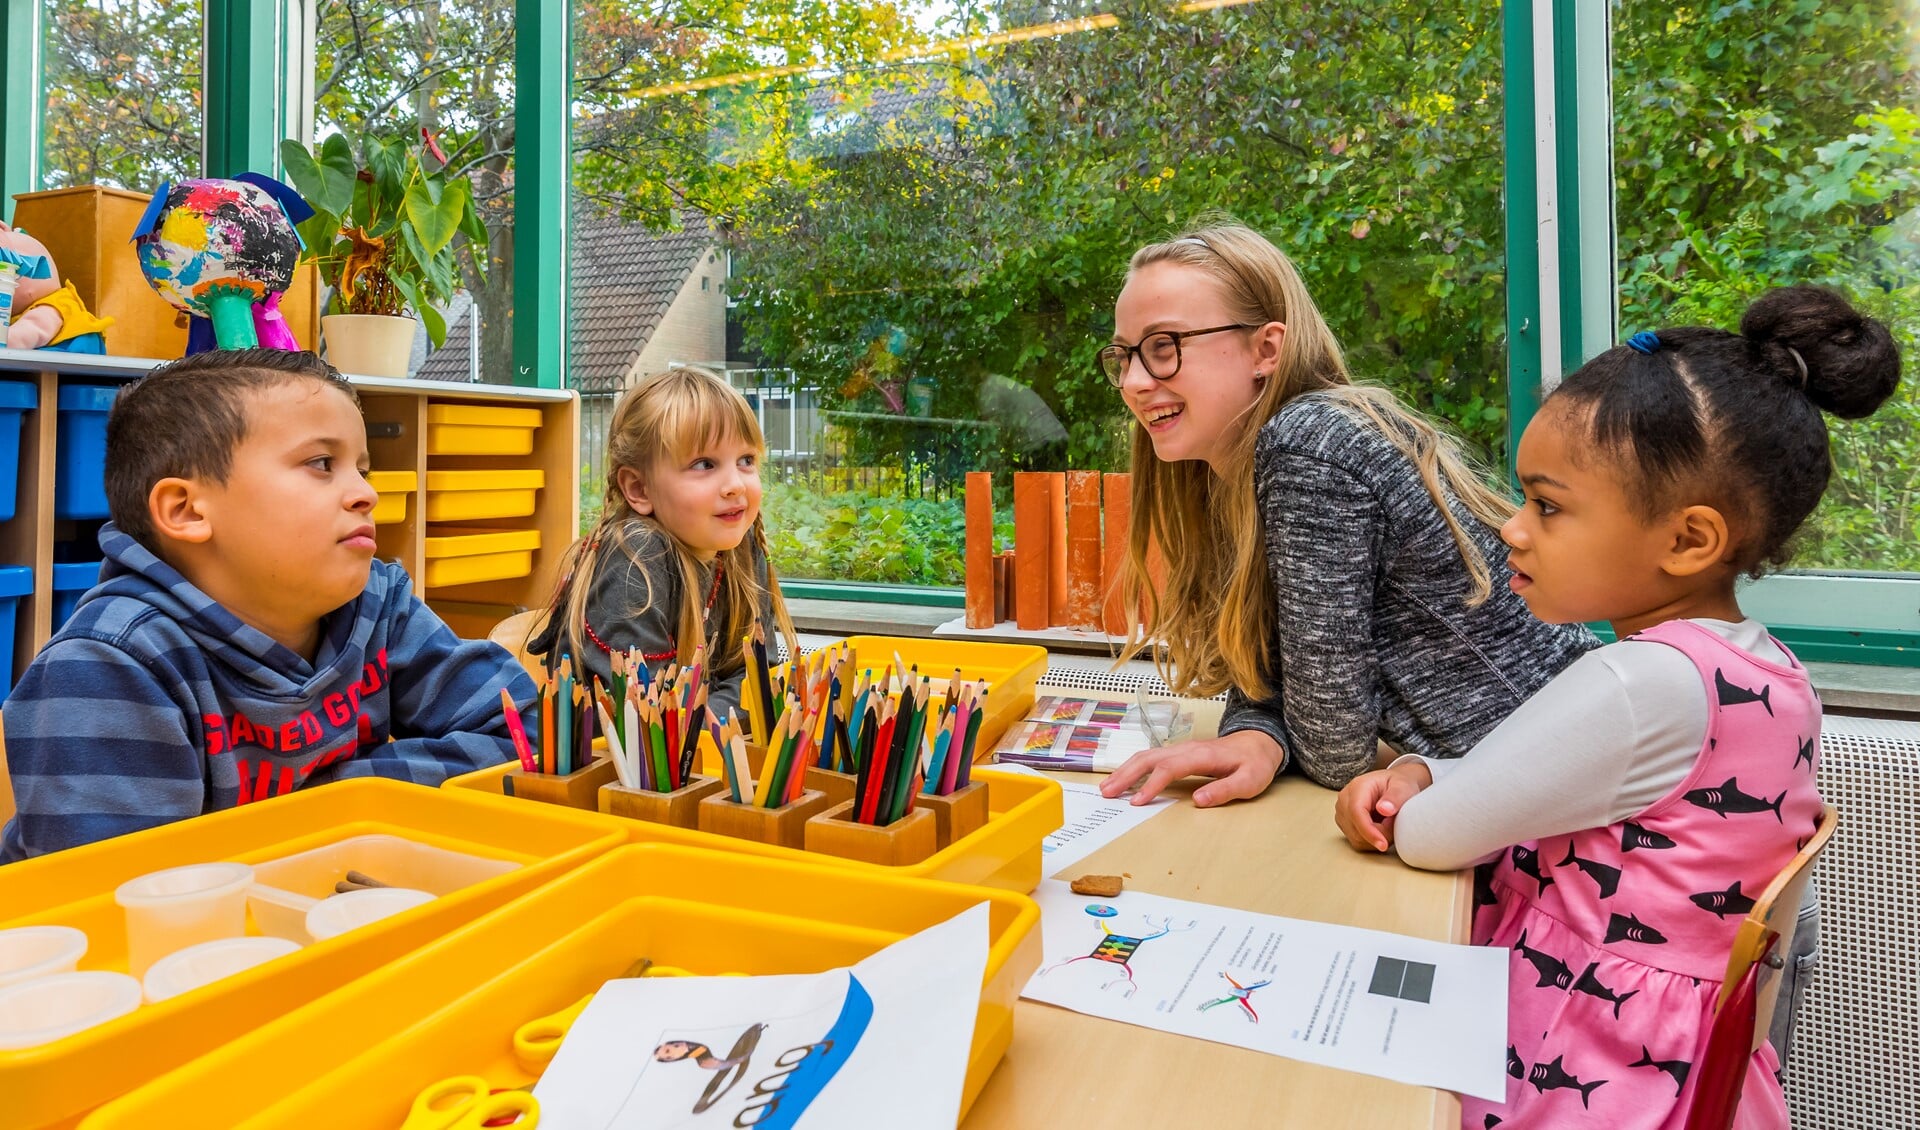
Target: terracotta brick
979	549
1083	550
1119	498
1057	549
1032	527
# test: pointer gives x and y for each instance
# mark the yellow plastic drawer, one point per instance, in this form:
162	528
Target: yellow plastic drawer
1005	852
356	1058
470	429
473	556
394	487
465	496
52	1084
1012	671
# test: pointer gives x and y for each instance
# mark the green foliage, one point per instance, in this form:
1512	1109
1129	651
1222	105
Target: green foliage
384	226
851	535
123	93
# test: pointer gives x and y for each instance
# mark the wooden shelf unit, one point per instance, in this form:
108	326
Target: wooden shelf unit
29	537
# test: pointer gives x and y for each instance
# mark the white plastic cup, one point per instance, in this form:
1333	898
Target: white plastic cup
182	906
331	917
190	968
46	1009
27	952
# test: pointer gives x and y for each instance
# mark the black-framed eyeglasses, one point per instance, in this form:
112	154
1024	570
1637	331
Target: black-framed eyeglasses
1159	352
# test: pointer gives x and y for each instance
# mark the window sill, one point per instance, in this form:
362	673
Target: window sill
1853	688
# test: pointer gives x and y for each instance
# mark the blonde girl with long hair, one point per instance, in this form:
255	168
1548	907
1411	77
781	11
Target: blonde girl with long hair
679	556
1329	552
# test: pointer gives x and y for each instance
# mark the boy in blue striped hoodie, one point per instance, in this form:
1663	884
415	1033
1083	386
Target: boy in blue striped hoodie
242	641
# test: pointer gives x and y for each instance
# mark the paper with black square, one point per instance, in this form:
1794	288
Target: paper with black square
1364	1000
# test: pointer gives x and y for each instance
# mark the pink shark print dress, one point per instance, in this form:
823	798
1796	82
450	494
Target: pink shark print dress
1620	935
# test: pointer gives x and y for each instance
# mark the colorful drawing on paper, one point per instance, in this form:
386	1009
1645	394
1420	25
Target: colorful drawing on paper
1118	949
1240	994
1101	910
728	1070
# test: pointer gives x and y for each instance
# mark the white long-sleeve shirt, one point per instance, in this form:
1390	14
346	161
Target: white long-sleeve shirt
1613	733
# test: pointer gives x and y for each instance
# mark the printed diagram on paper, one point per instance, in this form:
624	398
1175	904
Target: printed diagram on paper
1382	1004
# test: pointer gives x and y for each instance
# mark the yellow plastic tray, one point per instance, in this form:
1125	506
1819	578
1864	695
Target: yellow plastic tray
52	1084
465	496
1023	810
469	429
1012	671
394	487
357	1057
472	556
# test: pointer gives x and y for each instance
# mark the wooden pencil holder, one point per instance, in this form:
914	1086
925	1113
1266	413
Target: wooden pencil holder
578	789
784	826
907	840
957	815
679	808
837	785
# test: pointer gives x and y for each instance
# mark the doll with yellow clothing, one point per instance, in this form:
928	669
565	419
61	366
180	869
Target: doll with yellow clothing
47	314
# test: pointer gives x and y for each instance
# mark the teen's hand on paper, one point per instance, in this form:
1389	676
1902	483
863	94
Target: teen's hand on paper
1245	763
1366	807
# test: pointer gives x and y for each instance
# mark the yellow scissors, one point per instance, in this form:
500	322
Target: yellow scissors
536	1042
465	1102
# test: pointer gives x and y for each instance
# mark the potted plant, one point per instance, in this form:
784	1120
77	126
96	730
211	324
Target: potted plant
384	235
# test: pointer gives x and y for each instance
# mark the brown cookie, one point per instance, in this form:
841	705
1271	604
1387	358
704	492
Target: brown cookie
1101	886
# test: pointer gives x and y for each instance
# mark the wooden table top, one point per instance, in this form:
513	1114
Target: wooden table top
1279	854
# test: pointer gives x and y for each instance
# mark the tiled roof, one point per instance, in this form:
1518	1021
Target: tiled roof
623	279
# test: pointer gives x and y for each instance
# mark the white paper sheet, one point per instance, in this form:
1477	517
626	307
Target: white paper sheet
884	1043
1363	1000
1092	822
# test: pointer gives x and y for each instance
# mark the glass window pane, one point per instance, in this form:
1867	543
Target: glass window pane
445	67
928	210
1751	161
123	91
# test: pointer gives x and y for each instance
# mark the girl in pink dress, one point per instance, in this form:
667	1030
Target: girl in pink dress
1629	813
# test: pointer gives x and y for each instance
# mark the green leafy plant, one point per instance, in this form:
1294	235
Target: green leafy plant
387	231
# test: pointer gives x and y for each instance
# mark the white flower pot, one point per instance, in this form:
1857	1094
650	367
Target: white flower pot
369	345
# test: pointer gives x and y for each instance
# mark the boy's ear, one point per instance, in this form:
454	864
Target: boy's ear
1700	541
634	488
178	512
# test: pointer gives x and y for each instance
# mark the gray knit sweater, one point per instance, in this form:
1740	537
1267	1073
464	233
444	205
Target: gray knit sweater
1373	637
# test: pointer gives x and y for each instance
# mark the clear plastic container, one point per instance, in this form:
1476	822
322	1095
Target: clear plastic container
331	917
46	1009
286	889
182	906
190	968
27	952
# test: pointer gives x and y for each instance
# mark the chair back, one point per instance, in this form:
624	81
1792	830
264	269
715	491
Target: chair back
1744	1011
513	634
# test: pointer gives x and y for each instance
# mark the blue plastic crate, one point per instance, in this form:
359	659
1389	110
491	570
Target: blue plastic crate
17	398
16	581
70	583
80	474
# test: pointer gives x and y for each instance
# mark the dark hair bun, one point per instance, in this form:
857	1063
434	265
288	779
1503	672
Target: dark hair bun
1852	361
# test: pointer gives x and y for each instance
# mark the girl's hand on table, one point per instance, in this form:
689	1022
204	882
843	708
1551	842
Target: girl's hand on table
1245	763
1366	807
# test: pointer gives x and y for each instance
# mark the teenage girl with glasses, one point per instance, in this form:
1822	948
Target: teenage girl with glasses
1326	547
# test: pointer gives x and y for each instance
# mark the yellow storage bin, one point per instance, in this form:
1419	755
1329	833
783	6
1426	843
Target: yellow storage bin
472	556
1005	852
356	1058
52	1084
470	429
465	496
394	487
1012	671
